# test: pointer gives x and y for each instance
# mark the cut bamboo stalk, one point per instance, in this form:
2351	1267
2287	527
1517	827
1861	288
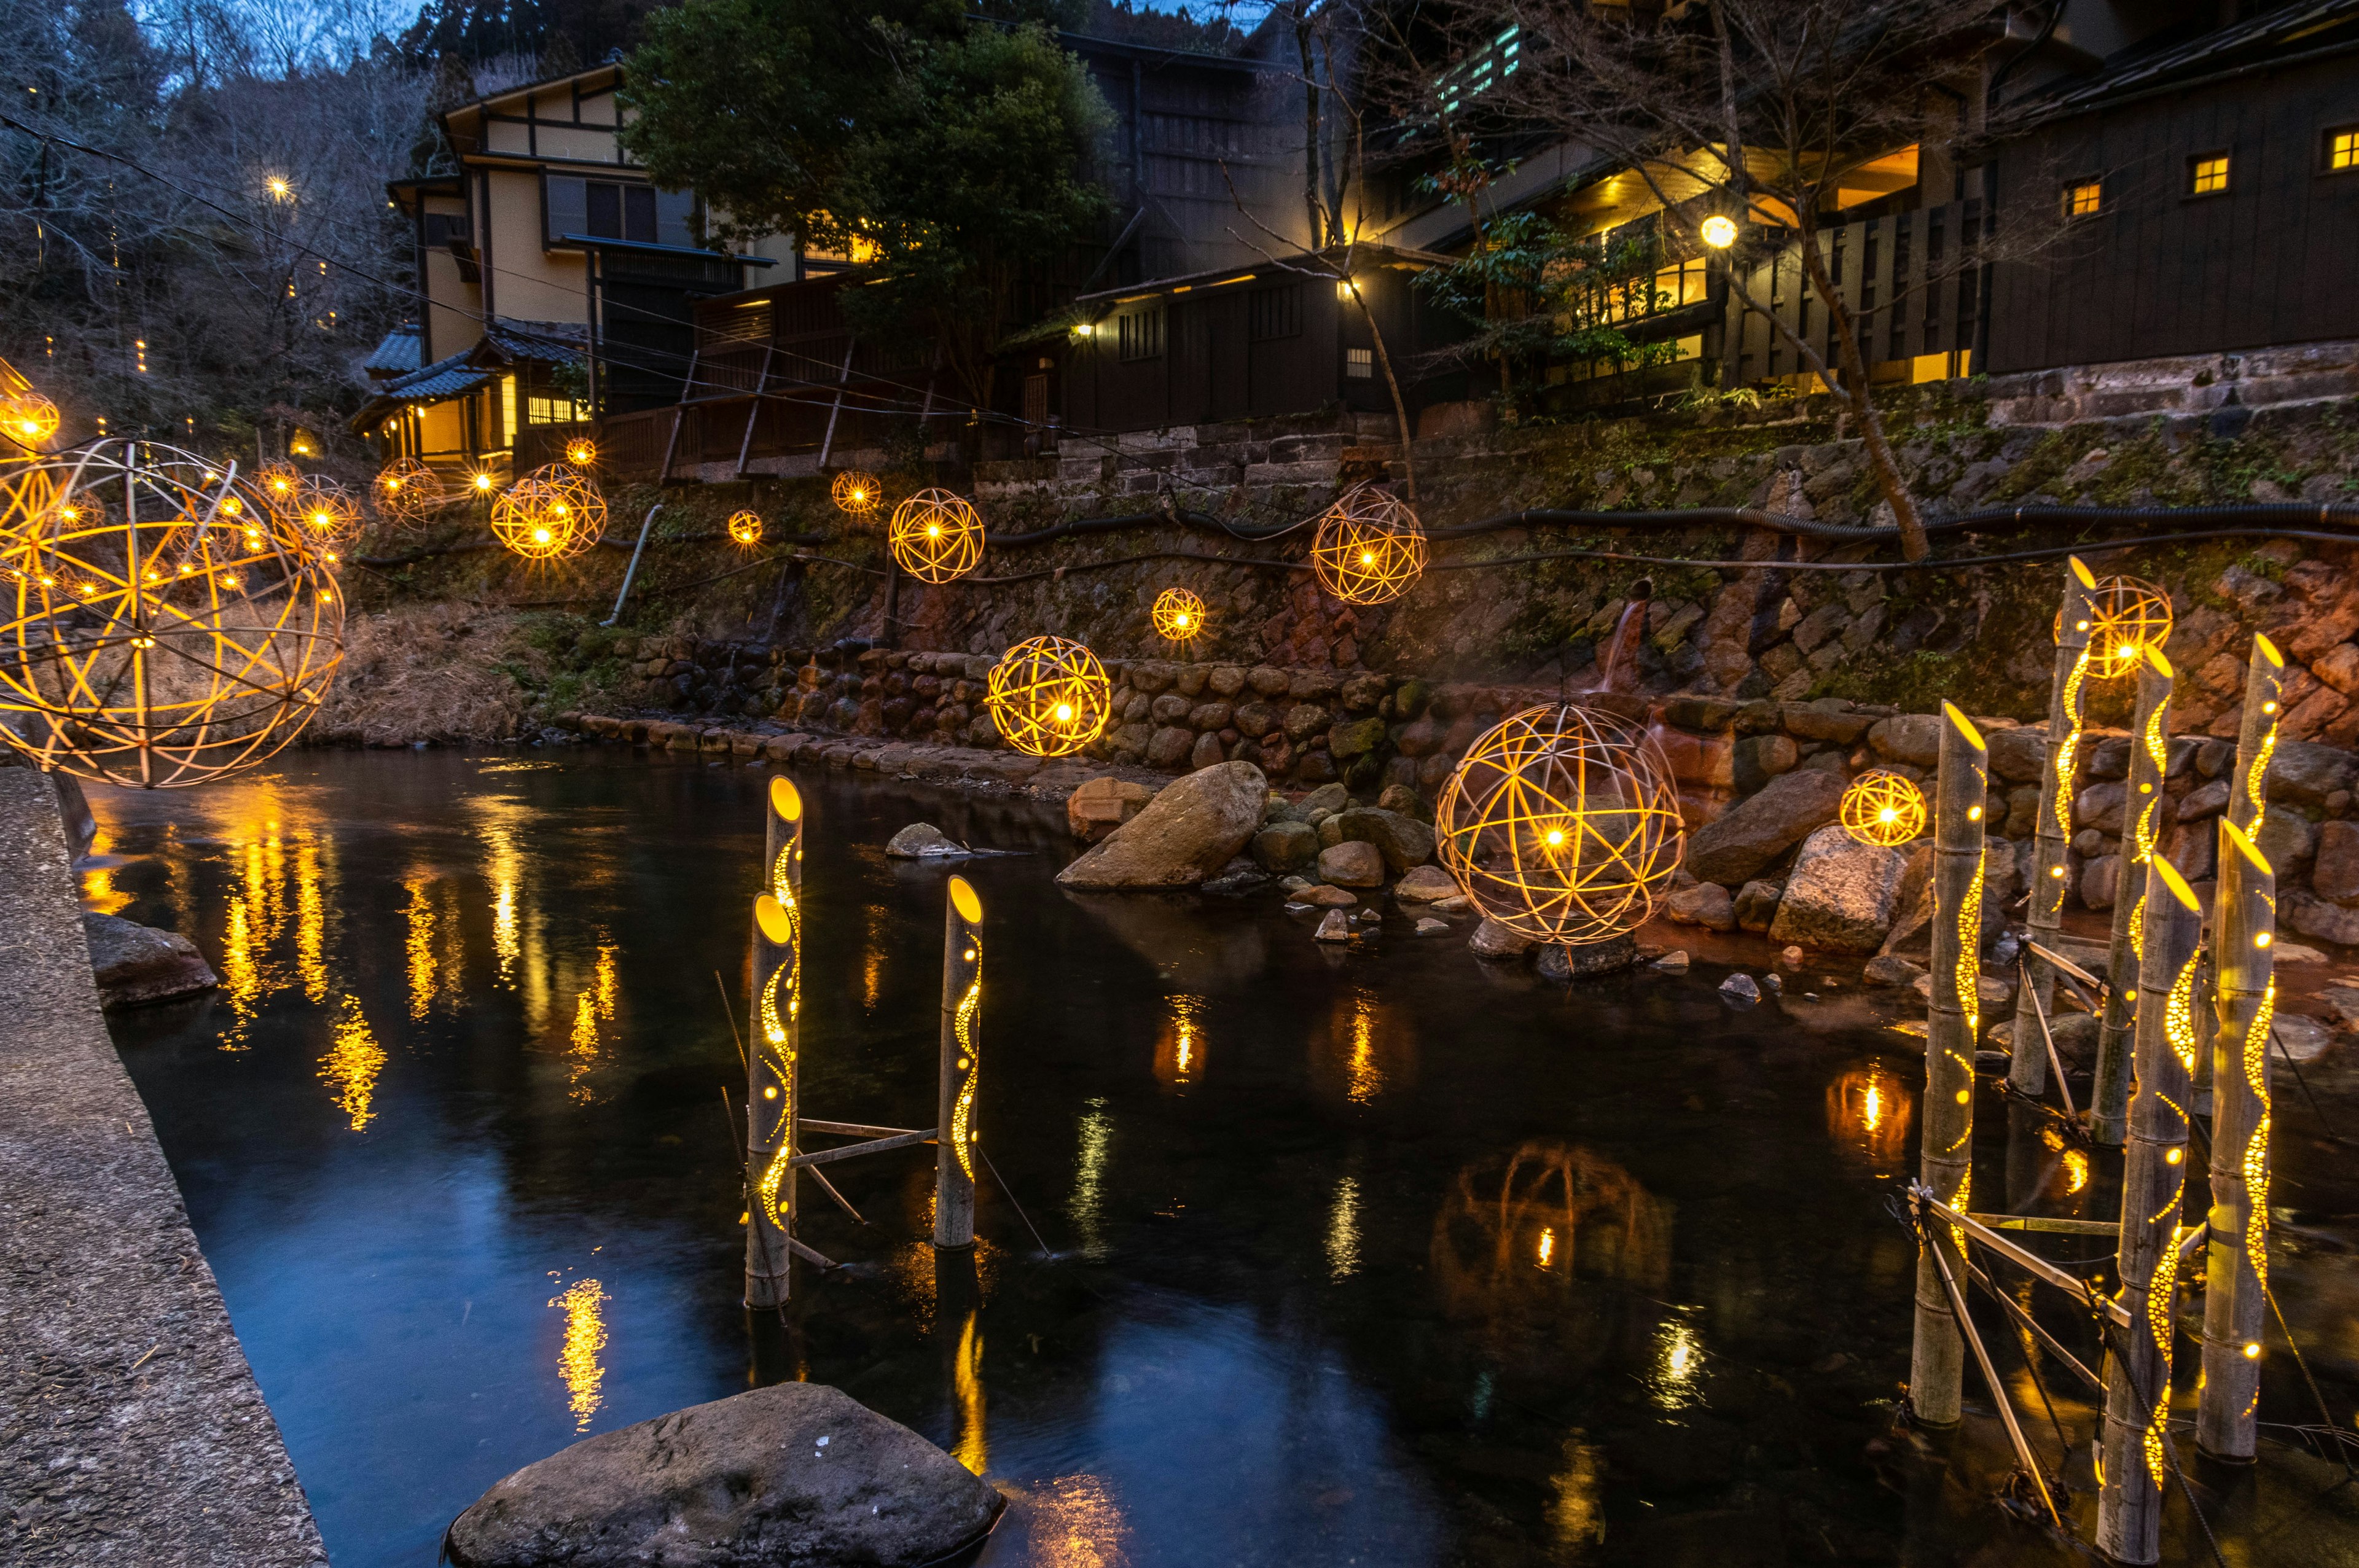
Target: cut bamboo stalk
1952	1023
771	1094
2052	839
2024	1456
2025	1259
2154	1184
962	1034
2142	815
854	1150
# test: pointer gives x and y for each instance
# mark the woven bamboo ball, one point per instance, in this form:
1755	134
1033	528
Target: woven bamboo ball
278	483
2126	616
582	452
1178	614
27	419
406	492
746	527
552	514
1562	824
856	492
1882	808
326	515
1369	549
935	537
1049	696
164	640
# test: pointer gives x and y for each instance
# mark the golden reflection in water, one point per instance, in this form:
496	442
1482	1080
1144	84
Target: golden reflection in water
581	1053
1344	1230
241	973
1089	1179
418	945
352	1063
966	1382
99	892
1678	1362
311	923
2076	1170
585	1336
1868	1111
872	956
1366	1051
1180	1047
1074	1522
1575	1512
606	982
1546	1246
1364	1077
503	869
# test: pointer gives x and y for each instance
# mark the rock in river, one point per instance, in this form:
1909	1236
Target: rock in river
1187	833
1748	839
1353	864
135	964
1842	896
922	841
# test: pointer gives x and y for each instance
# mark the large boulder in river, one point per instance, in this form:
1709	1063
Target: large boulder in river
1843	895
135	964
923	841
1353	863
1403	841
1187	833
1750	837
795	1473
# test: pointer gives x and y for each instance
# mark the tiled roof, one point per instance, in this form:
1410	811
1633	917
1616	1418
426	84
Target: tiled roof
507	340
397	355
2296	28
444	378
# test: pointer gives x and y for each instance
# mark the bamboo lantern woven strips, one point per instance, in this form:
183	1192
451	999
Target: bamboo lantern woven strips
1049	696
935	537
406	492
582	452
156	630
1562	824
1178	615
2052	836
326	515
2127	615
26	420
278	484
856	492
1369	549
1882	808
746	527
2154	1188
552	514
2143	817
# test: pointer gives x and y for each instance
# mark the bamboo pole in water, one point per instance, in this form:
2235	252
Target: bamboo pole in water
1937	1358
2142	817
2243	926
772	1096
2154	1184
954	1153
2028	1071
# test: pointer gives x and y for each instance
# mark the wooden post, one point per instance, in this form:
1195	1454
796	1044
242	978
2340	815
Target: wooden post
2027	1069
954	1154
2141	820
1952	1024
772	1099
2154	1183
2244	926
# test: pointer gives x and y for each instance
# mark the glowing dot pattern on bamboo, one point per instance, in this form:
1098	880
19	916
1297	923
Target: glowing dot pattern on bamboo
2127	617
552	514
746	527
1882	808
1968	979
326	513
2255	1160
781	1001
2145	835
1369	549
1178	614
406	492
1049	696
2159	1290
935	537
2067	758
856	492
2256	778
1562	824
962	1026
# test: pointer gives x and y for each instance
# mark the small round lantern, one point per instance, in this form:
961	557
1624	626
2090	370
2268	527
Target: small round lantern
27	417
1178	614
1049	696
856	492
325	514
582	452
1370	548
1562	824
406	492
279	484
553	513
746	527
190	637
935	537
1882	808
2126	616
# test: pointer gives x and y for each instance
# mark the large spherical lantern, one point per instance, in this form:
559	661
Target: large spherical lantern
1370	548
553	513
856	492
1178	614
746	527
1882	808
1049	696
326	515
405	493
1562	824
151	636
27	419
2127	615
935	537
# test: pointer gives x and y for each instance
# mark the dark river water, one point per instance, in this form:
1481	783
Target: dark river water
1357	1257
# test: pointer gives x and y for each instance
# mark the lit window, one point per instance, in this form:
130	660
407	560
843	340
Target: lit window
2083	197
2207	175
2343	149
1360	364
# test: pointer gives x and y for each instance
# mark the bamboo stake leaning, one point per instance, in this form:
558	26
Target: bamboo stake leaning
2051	842
2109	1099
1952	1020
2154	1184
771	1096
955	1149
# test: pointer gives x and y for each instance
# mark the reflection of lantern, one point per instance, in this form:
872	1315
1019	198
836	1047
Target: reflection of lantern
325	513
1882	808
1178	614
581	451
856	492
1369	549
746	527
935	537
1868	1111
551	513
183	641
406	491
2126	616
1562	824
1049	696
1179	1046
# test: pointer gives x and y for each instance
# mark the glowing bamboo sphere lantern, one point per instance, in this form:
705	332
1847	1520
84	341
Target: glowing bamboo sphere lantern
278	484
582	452
1882	808
1050	697
405	493
157	629
1370	547
326	515
1562	824
746	527
552	514
1178	614
27	419
2127	615
935	537
856	494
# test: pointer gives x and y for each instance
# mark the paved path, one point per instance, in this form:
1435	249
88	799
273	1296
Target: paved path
131	1431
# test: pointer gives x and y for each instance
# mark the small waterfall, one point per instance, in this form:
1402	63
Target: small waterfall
1622	647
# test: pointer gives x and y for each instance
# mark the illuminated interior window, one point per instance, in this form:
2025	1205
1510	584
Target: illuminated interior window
1360	364
2082	198
2343	149
2207	175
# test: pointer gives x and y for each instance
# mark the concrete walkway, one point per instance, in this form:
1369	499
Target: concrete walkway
131	1431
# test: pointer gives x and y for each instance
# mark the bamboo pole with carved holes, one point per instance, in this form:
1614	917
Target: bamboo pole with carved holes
2243	926
2052	839
2154	1186
1952	1024
2142	816
772	1098
954	1153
